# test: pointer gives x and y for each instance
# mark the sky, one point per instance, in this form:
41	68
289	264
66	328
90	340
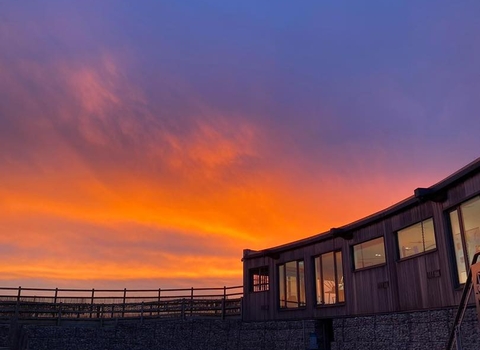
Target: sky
145	144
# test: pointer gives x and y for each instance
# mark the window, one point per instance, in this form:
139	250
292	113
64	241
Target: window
329	278
416	239
465	224
292	284
370	253
259	280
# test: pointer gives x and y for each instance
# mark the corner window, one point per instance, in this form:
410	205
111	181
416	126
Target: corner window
465	225
259	279
369	253
416	239
329	278
291	277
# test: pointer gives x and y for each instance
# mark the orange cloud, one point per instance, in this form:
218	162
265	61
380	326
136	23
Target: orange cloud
101	270
98	184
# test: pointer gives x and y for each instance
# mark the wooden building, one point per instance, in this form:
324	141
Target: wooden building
411	256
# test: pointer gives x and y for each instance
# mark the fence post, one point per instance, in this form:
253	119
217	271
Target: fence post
159	299
55	297
241	308
17	306
141	314
224	301
91	302
183	309
19	293
102	314
191	302
59	314
123	306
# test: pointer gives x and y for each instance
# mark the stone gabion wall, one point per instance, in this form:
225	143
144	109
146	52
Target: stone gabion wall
4	335
427	330
171	335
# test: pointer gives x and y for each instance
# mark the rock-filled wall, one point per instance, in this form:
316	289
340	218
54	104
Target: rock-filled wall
4	335
425	330
198	334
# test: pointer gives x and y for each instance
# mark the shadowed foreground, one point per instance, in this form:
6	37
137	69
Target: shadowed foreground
171	334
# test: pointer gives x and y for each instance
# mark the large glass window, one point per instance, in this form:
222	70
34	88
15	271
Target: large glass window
369	253
291	276
465	224
416	239
259	279
329	278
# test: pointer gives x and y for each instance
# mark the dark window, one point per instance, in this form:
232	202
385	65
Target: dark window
369	253
291	277
465	224
329	278
259	279
416	239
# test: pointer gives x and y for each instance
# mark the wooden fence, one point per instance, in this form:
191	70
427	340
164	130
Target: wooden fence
81	304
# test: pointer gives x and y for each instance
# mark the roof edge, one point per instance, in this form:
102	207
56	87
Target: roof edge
433	192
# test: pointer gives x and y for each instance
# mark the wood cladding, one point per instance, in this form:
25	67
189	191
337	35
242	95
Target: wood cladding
433	274
383	285
418	282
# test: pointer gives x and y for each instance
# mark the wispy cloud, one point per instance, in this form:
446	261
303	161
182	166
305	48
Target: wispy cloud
151	143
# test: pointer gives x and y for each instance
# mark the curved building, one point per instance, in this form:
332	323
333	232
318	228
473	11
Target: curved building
413	256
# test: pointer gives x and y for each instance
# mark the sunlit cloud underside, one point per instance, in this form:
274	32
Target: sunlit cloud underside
137	155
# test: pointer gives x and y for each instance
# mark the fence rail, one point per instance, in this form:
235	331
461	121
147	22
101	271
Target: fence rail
69	304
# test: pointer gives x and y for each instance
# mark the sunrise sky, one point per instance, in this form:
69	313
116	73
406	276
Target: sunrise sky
145	144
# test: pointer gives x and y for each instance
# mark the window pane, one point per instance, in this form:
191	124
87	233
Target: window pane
291	281
416	239
410	241
429	235
457	242
341	291
281	279
292	284
301	277
318	281
328	273
369	253
471	223
259	280
329	278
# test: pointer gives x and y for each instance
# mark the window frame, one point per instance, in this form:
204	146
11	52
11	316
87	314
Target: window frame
462	232
319	268
299	303
263	283
421	222
355	269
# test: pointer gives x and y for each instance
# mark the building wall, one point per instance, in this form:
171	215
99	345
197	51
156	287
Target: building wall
201	334
407	330
427	330
421	282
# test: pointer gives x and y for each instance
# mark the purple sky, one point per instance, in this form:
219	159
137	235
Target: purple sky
149	137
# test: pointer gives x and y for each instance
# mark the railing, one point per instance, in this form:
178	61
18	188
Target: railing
467	290
81	304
